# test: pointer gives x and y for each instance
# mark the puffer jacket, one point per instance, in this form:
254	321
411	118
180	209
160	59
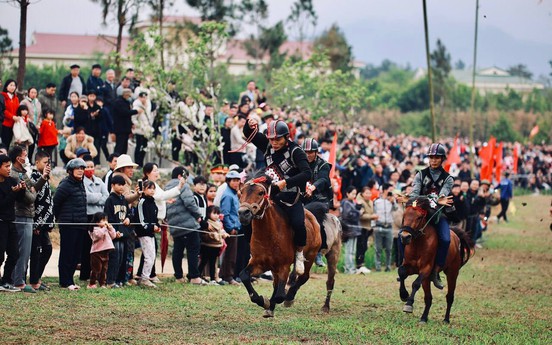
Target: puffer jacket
70	201
26	206
73	146
183	212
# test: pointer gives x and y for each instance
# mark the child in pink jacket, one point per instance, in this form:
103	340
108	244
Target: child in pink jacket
102	235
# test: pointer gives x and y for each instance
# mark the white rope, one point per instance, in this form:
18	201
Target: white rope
77	224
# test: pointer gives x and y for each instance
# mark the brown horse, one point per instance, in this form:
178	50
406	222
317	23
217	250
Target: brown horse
420	239
272	246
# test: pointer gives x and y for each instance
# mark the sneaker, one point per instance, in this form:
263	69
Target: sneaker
9	288
73	287
132	282
318	260
156	280
267	276
362	270
146	283
181	280
213	282
222	282
299	263
114	286
94	286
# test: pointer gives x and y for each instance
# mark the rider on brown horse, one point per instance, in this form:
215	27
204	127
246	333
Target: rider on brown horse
319	188
288	167
435	180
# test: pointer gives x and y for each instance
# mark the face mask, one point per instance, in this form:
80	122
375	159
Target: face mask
89	173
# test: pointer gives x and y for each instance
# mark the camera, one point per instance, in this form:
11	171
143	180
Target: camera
140	185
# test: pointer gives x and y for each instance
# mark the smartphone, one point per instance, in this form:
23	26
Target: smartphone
140	185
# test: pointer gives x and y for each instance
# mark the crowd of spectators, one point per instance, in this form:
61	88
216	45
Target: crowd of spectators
76	121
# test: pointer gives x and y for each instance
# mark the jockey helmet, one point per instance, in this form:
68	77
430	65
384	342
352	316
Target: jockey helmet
309	144
277	129
437	150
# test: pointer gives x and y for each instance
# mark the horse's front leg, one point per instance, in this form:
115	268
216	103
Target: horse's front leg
428	298
403	274
408	307
278	294
245	277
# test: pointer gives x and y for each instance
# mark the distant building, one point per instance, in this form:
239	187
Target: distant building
65	49
490	80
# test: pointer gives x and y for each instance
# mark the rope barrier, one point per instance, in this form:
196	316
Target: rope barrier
170	226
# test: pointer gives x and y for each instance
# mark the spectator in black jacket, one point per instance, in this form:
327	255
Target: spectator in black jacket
93	128
71	82
122	123
44	223
109	89
9	192
147	215
94	82
70	207
106	126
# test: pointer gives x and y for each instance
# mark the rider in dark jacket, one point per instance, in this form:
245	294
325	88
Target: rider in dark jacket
289	169
435	180
319	188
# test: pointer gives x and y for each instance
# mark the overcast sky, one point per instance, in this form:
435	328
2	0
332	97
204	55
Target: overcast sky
511	31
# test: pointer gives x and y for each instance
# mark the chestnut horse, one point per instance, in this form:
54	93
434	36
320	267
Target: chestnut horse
420	239
272	246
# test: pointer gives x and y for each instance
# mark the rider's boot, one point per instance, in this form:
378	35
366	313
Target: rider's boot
436	279
299	262
318	261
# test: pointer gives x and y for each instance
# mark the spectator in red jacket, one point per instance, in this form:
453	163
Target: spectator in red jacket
12	103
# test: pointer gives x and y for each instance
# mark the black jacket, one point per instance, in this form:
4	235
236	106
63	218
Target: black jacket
95	84
122	116
7	199
70	201
44	214
66	85
109	94
147	217
117	210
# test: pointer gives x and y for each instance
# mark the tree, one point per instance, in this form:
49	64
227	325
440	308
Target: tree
125	13
302	18
158	7
254	12
270	41
502	130
440	67
5	47
520	70
23	5
216	10
333	43
459	65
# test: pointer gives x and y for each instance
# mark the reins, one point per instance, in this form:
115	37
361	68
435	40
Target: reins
422	229
255	207
247	141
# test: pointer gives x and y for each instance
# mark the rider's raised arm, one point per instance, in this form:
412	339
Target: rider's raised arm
300	180
259	140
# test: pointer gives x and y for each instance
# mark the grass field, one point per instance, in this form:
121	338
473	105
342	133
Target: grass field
503	297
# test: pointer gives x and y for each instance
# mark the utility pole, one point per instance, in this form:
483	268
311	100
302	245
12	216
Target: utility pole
472	105
431	107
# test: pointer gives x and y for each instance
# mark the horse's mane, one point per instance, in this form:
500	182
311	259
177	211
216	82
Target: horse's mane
318	209
259	176
420	201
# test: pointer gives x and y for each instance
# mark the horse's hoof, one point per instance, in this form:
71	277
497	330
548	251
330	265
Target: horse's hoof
326	309
268	313
408	309
423	322
289	304
266	303
446	321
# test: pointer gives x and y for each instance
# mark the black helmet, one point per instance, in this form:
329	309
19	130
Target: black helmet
437	150
277	129
309	144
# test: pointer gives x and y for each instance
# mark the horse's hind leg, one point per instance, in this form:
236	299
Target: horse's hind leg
428	299
245	277
451	281
403	274
408	307
332	256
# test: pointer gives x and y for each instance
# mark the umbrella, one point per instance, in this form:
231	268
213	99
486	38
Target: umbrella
164	244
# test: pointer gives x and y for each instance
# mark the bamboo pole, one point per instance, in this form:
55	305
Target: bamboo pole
431	105
472	105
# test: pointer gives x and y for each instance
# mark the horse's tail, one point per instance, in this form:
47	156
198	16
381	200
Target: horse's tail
467	245
319	210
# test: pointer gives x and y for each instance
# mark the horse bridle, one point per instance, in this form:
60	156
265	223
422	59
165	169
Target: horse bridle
420	232
263	205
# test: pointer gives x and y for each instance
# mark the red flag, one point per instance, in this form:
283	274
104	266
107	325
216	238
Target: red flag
516	154
498	161
453	156
486	155
164	244
534	132
333	155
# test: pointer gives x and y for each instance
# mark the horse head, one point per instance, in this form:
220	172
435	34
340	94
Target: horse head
414	218
254	199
